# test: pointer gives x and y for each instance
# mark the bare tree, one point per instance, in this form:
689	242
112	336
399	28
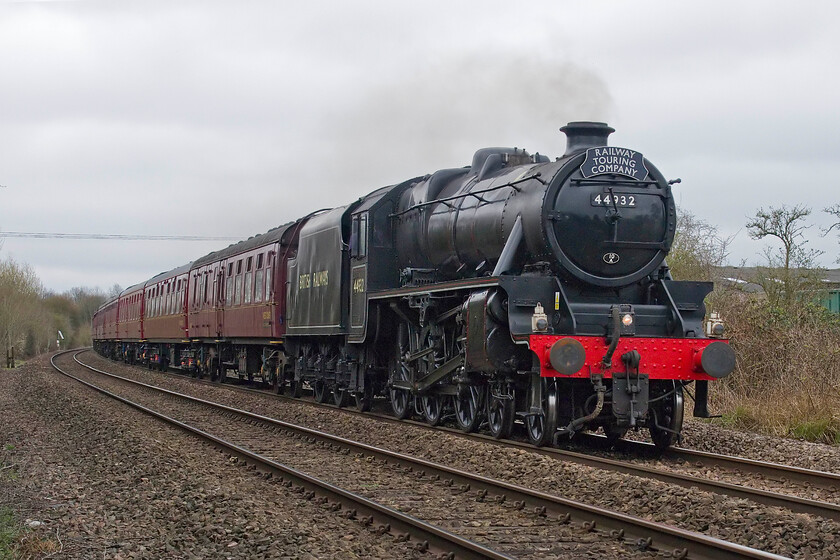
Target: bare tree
834	211
20	303
114	291
698	249
791	273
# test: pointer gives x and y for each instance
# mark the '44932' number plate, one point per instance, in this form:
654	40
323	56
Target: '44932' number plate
619	200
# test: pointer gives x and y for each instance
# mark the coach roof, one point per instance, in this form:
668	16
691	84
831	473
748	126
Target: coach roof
271	236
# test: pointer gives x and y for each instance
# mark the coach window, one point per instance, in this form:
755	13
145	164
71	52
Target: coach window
229	289
248	276
259	276
237	285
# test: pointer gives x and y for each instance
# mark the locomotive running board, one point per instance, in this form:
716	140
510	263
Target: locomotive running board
437	287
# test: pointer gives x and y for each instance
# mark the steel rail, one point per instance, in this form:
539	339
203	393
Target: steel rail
680	543
392	521
820	479
775	471
765	497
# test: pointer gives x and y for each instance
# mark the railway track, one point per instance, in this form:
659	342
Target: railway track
739	468
367	511
548	519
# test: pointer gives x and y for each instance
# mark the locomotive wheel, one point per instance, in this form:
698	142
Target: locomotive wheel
669	415
364	399
433	409
321	391
500	414
402	400
295	388
468	408
541	423
401	403
341	397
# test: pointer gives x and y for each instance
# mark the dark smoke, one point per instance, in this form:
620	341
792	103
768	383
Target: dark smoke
438	115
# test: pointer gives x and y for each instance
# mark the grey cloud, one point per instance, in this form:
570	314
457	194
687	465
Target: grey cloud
229	118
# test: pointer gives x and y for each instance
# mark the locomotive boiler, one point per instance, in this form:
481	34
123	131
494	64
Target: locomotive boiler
515	291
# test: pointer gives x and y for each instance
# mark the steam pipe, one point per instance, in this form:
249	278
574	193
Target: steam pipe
600	391
508	256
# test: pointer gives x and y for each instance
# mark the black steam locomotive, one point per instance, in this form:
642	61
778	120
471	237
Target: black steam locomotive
517	289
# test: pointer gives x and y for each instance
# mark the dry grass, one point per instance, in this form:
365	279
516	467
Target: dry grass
787	378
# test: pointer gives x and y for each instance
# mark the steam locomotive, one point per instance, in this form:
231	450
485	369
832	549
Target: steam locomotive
513	291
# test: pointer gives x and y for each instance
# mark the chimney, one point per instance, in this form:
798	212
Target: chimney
581	135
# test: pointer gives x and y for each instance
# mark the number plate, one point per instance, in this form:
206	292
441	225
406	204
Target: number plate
616	200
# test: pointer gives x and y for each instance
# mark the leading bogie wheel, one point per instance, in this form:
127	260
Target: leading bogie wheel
668	415
541	418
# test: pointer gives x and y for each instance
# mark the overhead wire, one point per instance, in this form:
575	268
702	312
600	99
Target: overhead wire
116	236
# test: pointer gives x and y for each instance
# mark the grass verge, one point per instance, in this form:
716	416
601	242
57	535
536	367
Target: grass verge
9	533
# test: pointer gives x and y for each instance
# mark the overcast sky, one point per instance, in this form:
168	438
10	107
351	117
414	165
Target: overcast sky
229	118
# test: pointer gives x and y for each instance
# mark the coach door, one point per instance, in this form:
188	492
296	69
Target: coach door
221	292
358	276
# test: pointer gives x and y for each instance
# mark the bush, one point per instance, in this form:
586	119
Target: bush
787	370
